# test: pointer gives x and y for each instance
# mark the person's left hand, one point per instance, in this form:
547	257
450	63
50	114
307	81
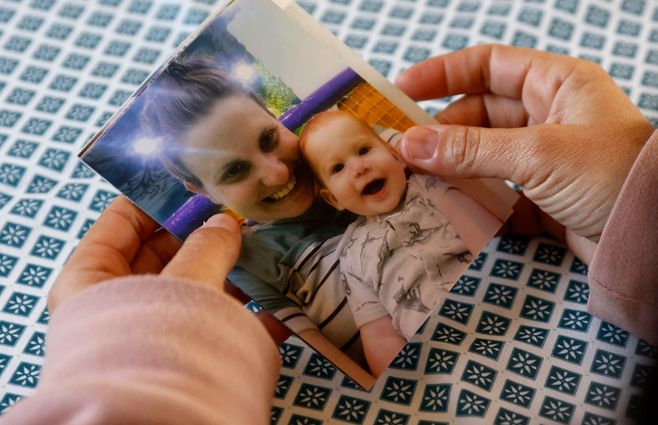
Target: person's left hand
125	241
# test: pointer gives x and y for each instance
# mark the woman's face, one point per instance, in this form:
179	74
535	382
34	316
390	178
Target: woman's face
248	161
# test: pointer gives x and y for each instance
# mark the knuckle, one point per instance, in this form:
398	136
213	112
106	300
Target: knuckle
543	145
586	76
462	147
591	70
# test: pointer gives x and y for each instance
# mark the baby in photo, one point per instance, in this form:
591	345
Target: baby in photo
413	239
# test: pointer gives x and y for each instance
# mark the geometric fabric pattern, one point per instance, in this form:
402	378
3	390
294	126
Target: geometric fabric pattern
512	344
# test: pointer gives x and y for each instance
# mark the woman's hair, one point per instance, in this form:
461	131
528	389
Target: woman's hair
177	99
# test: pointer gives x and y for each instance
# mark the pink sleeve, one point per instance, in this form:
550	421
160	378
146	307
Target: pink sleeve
153	351
623	275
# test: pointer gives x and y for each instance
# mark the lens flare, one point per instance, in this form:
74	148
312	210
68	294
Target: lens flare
244	73
146	146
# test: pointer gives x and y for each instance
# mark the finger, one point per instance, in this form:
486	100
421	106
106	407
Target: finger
463	71
109	246
514	154
508	71
107	264
105	252
155	253
485	111
118	232
208	254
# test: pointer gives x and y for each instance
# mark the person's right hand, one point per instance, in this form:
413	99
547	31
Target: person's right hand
557	126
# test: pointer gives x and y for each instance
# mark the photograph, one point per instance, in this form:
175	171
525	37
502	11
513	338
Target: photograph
295	136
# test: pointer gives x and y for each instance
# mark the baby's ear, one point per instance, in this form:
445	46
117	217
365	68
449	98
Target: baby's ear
391	146
397	155
330	198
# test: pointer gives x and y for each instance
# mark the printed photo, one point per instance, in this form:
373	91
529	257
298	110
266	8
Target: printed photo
263	114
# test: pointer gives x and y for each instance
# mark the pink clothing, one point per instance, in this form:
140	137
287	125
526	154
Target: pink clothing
153	351
623	275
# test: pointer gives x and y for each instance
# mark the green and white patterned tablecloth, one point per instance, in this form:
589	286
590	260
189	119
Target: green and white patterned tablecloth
512	345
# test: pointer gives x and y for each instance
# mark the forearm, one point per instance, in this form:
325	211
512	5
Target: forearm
381	343
150	350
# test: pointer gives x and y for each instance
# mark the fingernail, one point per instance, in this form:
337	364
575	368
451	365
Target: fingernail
420	143
221	220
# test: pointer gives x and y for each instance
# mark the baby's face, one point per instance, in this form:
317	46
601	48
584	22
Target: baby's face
359	172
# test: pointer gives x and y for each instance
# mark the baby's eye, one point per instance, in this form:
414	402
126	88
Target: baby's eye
268	141
337	168
363	150
235	171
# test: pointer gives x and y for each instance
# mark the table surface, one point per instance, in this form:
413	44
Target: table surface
513	344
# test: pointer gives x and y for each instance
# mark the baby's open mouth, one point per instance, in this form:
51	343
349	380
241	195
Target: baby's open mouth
282	193
373	187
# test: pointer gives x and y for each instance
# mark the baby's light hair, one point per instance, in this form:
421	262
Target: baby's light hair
318	119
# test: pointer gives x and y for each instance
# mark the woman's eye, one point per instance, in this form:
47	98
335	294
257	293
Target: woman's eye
363	150
336	168
235	172
268	141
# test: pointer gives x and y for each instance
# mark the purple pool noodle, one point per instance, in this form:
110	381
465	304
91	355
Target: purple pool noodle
190	215
321	99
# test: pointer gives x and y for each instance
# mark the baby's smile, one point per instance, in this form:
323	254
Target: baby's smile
373	187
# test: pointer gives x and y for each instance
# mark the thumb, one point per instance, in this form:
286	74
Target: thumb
463	151
208	254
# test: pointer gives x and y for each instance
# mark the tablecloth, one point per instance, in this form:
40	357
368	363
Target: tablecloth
513	344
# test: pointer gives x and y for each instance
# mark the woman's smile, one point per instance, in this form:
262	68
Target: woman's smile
282	193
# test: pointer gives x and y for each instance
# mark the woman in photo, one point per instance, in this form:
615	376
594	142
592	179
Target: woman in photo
221	142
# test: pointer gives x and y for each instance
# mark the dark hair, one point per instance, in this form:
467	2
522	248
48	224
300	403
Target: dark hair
177	99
